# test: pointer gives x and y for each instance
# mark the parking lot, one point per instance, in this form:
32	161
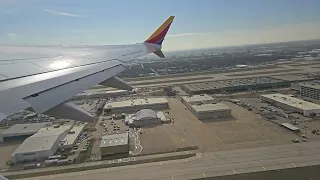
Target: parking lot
106	126
278	116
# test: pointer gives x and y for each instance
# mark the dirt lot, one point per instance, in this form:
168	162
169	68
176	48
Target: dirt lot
6	149
244	129
268	131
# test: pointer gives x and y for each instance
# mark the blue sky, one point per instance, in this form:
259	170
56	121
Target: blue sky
198	24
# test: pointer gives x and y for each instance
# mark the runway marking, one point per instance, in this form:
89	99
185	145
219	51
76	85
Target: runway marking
185	160
293	165
80	173
203	175
212	133
246	142
52	176
234	171
254	131
263	167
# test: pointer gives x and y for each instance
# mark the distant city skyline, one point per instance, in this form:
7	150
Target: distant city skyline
198	24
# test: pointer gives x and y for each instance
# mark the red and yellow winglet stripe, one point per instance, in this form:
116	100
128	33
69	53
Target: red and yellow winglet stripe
158	36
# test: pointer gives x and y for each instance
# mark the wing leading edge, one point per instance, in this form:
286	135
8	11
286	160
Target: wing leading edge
42	79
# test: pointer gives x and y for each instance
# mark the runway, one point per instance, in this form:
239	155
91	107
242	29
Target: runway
208	164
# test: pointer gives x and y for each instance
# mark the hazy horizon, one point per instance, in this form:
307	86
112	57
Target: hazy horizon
198	25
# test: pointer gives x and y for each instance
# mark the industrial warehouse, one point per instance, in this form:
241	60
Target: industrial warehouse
115	144
211	111
292	104
40	145
136	105
205	107
46	141
21	131
145	117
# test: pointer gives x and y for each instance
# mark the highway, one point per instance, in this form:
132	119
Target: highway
207	164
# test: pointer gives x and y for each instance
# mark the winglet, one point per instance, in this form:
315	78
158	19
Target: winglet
159	53
158	36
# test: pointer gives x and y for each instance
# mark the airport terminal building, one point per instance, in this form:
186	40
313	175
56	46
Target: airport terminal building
292	104
136	105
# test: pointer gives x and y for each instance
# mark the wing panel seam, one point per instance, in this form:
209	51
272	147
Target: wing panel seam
59	69
72	81
73	67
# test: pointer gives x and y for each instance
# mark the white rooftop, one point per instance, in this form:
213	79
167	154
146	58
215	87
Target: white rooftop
145	113
292	101
290	126
211	107
135	102
114	140
103	91
43	140
52	131
161	115
24	129
71	137
197	98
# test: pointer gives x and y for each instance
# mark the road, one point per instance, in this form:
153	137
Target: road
208	164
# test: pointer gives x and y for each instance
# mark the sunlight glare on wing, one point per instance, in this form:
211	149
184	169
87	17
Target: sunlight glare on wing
59	64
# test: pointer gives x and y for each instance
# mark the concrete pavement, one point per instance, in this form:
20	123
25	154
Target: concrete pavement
208	164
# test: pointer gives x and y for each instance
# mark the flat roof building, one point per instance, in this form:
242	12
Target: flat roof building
188	101
40	145
211	111
72	136
292	104
114	144
22	131
204	107
136	105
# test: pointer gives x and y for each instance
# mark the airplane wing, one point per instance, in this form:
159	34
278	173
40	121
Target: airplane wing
43	78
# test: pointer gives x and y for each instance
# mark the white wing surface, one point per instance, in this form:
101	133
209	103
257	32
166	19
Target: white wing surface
43	78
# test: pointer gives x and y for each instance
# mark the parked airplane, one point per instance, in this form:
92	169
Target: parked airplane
43	78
